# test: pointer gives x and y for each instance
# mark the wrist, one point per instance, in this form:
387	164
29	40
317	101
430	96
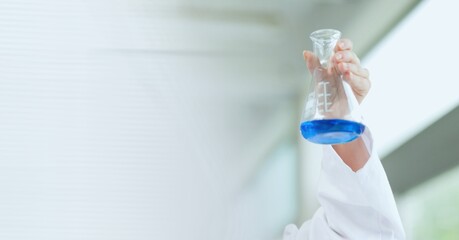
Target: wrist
354	154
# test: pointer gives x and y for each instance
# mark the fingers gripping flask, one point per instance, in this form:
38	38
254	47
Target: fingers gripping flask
331	114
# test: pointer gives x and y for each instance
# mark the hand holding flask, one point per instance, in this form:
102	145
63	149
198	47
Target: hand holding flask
332	112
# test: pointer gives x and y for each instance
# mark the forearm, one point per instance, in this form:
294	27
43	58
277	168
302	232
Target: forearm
354	154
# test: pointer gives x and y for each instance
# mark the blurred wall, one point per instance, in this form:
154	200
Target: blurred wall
142	120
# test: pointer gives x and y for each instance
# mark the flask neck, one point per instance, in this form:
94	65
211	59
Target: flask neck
324	42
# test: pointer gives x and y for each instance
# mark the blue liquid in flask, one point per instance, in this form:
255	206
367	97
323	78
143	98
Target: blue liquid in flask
331	131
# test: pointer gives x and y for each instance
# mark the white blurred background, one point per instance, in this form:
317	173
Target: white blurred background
136	119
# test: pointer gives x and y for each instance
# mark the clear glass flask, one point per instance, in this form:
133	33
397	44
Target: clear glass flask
332	113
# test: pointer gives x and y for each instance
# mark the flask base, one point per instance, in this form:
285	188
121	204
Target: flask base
331	131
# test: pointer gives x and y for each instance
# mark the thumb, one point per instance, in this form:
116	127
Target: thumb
311	60
290	232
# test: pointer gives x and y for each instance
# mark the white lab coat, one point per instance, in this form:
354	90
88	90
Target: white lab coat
354	205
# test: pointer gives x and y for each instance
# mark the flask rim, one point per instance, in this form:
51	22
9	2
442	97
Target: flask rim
325	35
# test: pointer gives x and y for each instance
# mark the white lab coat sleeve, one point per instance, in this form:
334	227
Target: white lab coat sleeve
354	205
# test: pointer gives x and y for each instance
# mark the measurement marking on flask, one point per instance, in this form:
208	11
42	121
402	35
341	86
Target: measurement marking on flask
325	96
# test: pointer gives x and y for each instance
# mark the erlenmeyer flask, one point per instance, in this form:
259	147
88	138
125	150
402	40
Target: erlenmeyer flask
331	114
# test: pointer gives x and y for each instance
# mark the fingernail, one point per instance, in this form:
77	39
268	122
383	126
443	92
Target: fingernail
342	45
338	56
